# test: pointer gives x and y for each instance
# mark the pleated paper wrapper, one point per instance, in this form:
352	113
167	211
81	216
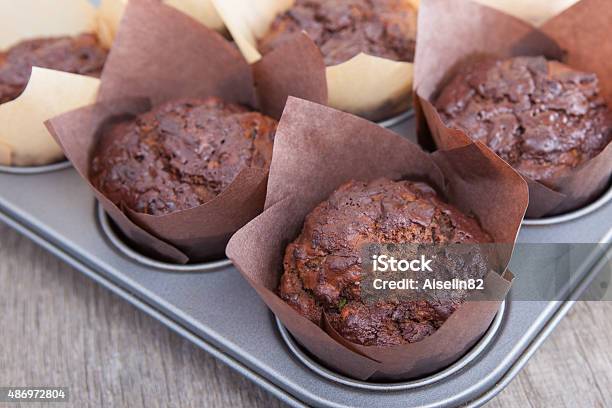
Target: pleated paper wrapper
160	54
317	149
467	30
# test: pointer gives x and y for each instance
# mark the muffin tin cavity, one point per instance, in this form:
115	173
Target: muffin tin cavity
119	243
573	215
330	375
31	170
397	120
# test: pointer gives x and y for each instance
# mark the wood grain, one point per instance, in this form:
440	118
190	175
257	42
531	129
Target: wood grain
60	329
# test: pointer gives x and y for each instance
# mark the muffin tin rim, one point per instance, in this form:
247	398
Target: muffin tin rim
572	215
35	170
118	244
455	367
396	120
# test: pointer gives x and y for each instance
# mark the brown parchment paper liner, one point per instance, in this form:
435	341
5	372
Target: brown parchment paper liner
534	12
24	140
472	30
316	150
372	87
111	12
194	61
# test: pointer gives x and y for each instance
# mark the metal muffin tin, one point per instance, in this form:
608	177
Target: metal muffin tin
29	170
321	370
115	238
212	306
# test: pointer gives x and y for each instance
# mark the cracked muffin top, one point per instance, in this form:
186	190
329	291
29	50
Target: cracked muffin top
323	267
78	55
179	155
344	28
540	116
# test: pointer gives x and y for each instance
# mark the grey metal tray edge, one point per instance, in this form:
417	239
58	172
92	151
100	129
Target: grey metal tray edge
152	311
555	315
561	310
10	216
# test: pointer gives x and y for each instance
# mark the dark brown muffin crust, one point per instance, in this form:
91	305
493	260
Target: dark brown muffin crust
323	266
540	116
78	55
180	155
345	28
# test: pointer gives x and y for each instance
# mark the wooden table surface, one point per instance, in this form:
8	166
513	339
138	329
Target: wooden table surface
58	328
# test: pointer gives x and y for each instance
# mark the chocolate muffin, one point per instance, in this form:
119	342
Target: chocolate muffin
78	55
345	28
323	266
179	155
540	116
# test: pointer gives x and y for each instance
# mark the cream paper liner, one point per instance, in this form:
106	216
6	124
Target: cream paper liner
369	86
109	16
355	87
536	12
24	139
202	10
23	19
111	11
5	153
